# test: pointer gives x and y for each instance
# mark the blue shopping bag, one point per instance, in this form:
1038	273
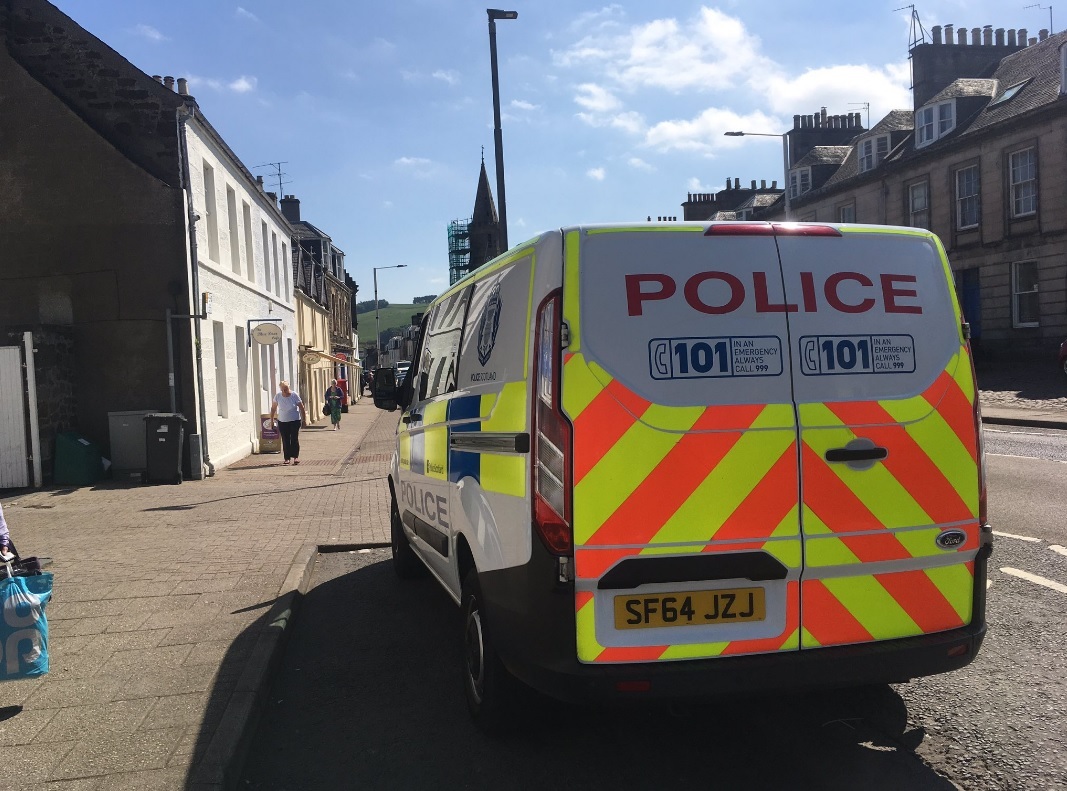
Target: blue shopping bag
23	628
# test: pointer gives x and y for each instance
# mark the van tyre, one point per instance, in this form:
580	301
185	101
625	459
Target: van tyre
406	563
492	692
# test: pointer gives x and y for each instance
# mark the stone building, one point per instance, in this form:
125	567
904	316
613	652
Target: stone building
110	222
325	307
979	160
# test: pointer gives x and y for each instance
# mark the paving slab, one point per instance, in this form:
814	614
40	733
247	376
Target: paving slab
169	607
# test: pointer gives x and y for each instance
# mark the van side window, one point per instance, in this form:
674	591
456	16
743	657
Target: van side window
444	329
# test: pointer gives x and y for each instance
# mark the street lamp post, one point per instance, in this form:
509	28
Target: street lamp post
498	136
377	320
785	158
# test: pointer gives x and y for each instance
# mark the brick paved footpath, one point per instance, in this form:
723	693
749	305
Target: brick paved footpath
160	595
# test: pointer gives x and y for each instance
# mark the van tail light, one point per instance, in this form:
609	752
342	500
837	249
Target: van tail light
982	512
550	469
770	229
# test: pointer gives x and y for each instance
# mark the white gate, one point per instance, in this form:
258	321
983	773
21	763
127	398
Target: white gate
14	450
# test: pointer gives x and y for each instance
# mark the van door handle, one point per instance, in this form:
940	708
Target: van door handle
856	454
410	416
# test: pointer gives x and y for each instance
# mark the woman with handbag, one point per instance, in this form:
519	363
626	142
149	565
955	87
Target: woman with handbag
335	397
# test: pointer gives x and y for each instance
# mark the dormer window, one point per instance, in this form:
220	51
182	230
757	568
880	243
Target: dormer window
933	122
872	151
799	182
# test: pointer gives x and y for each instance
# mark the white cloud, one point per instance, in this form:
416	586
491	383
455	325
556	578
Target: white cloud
419	167
243	84
704	134
639	164
149	32
695	185
411	161
597	174
449	76
387	204
709	52
886	88
596	99
521	104
243	13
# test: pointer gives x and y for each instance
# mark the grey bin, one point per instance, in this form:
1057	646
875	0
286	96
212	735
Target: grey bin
126	431
164	432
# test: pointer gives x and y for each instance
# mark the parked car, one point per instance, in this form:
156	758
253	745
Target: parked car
402	368
1063	356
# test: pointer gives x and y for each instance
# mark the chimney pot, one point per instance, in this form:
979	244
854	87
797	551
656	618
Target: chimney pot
157	78
169	82
1031	42
976	36
948	34
998	34
1042	34
987	35
774	184
961	36
935	34
183	86
763	184
728	183
796	122
1011	37
753	184
1022	37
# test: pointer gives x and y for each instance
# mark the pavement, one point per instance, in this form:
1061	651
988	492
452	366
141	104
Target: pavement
171	603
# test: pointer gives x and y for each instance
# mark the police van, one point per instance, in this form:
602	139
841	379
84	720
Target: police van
672	460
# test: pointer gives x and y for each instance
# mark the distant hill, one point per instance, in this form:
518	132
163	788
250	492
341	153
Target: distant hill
394	316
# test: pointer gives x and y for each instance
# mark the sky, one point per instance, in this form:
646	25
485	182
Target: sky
611	112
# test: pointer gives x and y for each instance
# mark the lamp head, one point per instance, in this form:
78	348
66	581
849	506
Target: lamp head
734	134
496	13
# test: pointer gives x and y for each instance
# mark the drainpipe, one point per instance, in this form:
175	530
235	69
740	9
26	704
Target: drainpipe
184	115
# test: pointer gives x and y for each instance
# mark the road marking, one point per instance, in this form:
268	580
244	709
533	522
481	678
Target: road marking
988	584
1015	456
1026	575
1054	433
1058	548
1012	535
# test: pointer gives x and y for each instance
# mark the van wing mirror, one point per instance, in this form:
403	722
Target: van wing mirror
385	389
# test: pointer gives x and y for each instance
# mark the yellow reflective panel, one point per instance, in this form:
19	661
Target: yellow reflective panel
509	409
434	412
504	473
943	446
825	551
405	451
580	387
957	586
872	606
571	291
585	621
436	452
694	650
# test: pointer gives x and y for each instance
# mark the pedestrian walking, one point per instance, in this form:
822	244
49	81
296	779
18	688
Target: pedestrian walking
289	413
335	397
7	549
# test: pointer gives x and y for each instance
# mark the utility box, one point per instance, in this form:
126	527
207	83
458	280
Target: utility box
164	432
126	431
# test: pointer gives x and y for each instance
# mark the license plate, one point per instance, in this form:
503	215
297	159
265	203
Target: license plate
690	608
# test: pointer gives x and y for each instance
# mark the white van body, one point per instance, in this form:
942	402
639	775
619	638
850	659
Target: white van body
677	459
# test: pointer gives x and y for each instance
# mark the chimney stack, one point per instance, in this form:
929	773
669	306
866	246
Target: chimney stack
168	81
291	208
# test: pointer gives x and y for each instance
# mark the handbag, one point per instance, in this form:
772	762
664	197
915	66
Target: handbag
326	409
23	627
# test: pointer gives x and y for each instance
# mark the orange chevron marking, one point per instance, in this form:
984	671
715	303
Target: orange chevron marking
582	598
910	465
591	564
955	408
828	620
792	620
603	423
768	503
875	547
921	600
832	501
635	654
671	483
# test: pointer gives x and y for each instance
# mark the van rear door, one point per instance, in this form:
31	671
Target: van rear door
885	400
685	487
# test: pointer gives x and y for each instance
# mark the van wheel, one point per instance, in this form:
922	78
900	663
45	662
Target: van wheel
491	691
406	563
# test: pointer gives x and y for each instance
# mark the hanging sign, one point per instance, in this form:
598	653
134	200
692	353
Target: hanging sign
267	334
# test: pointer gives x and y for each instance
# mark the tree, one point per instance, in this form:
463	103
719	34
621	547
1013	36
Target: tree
368	304
426	300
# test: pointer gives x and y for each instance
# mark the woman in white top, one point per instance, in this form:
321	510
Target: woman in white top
289	413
